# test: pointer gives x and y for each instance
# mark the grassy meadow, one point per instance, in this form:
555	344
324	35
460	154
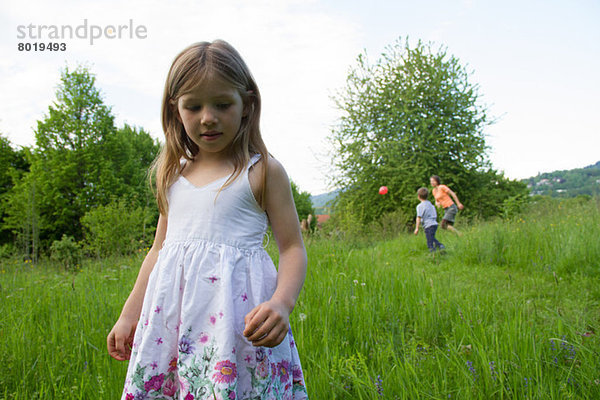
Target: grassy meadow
511	311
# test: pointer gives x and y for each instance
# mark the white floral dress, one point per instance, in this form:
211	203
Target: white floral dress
211	271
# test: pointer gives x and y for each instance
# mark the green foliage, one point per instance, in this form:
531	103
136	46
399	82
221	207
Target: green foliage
70	165
569	183
117	228
412	114
22	215
7	250
80	161
304	206
13	163
66	252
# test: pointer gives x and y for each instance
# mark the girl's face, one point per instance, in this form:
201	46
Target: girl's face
433	182
211	114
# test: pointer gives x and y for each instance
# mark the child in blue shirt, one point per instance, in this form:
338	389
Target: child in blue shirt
427	216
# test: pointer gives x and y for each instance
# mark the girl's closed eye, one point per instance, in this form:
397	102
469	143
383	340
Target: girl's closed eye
223	106
193	108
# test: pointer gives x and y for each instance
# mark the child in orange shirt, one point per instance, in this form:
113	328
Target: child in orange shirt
442	194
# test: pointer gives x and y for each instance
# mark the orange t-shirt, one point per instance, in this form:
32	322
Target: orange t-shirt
441	196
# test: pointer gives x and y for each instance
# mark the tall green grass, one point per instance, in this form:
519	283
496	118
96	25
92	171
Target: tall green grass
511	311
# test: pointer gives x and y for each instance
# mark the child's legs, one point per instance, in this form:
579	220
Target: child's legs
436	242
430	236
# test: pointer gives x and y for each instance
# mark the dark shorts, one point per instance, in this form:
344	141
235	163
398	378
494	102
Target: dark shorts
450	213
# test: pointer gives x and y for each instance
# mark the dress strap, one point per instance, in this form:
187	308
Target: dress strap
253	160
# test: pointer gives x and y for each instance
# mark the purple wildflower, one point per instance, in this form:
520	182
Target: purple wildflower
185	345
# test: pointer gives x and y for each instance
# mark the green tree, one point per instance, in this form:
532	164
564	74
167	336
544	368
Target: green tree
412	114
13	164
80	161
304	205
70	166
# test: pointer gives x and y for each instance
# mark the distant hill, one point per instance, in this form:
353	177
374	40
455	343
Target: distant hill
322	202
568	183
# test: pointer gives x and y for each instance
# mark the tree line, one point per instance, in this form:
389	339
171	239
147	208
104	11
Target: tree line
83	179
569	183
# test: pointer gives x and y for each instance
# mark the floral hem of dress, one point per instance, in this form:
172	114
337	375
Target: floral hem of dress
205	376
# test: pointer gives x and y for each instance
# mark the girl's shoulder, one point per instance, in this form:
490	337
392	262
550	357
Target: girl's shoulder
276	175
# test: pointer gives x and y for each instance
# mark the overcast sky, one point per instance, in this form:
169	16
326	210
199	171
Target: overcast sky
536	63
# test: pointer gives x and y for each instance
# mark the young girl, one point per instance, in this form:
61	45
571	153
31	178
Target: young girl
208	317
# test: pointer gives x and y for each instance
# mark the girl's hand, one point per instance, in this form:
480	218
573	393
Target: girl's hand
460	206
416	231
267	324
120	339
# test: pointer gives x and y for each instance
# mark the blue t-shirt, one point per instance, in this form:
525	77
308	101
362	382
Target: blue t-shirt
427	212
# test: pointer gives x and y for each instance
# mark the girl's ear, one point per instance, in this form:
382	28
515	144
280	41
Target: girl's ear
248	103
175	110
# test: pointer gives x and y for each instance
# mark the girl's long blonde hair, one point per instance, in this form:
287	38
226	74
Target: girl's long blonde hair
190	68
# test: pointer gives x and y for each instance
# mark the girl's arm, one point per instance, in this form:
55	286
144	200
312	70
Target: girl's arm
268	323
120	338
458	203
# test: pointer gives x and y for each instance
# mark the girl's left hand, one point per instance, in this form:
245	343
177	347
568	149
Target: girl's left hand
267	324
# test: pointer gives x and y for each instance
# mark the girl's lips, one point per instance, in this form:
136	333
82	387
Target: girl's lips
211	135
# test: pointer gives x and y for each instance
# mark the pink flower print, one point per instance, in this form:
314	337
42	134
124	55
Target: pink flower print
248	358
159	341
173	364
292	343
226	372
270	352
244	297
233	351
154	365
203	337
213	319
231	395
297	375
154	383
262	369
221	314
157	309
283	368
273	370
213	279
129	396
146	322
170	388
189	396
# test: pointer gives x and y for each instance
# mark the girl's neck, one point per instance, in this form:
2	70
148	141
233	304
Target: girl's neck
212	159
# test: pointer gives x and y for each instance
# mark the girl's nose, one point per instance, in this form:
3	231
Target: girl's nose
208	117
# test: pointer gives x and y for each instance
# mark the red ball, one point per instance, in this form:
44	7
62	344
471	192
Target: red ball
383	190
